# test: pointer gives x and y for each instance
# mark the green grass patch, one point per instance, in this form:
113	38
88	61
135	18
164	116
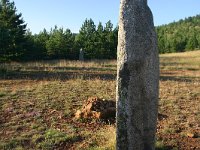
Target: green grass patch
14	143
2	94
52	138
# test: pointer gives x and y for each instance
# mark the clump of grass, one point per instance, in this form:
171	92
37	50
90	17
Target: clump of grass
169	130
14	143
2	94
8	145
37	138
160	145
105	139
53	137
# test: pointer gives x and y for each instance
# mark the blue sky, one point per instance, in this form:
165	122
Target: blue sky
40	14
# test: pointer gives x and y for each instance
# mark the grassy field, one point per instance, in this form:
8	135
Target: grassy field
38	100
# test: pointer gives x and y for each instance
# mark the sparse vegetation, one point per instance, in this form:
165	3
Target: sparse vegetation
38	100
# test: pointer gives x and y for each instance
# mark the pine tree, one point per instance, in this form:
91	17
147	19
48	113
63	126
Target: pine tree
192	43
60	44
40	41
12	31
86	38
100	41
110	41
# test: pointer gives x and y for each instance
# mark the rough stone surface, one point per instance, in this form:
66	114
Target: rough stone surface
81	55
137	77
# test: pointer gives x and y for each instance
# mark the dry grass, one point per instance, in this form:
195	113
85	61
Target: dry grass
38	99
60	65
181	61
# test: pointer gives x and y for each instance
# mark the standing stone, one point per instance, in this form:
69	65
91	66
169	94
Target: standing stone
137	77
81	55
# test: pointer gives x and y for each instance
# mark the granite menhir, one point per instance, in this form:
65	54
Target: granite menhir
137	77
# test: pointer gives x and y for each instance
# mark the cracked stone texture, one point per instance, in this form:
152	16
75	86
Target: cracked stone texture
137	77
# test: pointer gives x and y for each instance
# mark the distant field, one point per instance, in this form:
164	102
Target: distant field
38	99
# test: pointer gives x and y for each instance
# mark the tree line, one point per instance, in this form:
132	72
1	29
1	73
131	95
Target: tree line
97	41
18	43
180	36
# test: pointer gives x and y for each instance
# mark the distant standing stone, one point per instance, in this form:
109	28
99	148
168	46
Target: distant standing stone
137	77
81	55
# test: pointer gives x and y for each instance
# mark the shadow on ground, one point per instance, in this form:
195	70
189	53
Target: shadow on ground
85	74
178	78
48	75
165	148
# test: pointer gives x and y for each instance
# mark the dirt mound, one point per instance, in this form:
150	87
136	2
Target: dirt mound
96	108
